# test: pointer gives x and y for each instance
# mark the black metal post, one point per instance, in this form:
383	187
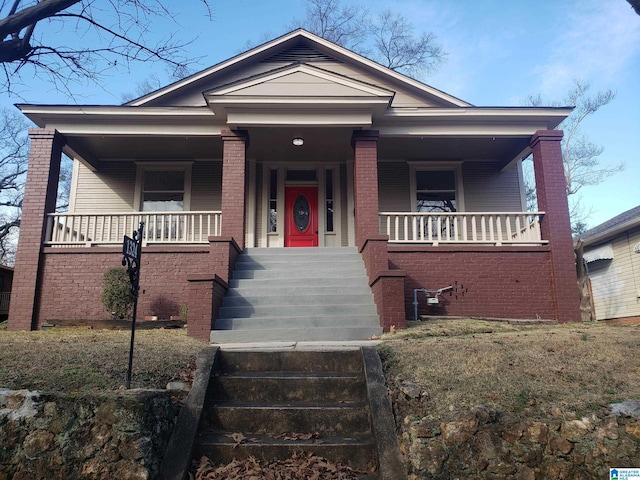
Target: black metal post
132	254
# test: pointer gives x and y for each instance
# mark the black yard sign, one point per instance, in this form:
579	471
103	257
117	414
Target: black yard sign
131	255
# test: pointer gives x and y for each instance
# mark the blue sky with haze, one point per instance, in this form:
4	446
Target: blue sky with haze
499	52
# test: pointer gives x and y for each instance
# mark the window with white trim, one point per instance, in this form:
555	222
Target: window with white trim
163	187
163	191
436	191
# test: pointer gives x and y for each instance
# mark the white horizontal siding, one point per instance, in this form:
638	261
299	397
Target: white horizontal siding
110	189
206	186
393	187
616	283
487	189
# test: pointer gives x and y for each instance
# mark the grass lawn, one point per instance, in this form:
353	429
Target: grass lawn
76	360
534	370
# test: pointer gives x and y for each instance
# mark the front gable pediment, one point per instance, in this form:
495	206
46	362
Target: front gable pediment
300	80
296	88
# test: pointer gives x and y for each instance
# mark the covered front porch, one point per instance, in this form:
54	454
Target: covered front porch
298	142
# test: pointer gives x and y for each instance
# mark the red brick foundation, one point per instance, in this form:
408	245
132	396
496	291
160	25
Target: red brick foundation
500	282
387	286
72	282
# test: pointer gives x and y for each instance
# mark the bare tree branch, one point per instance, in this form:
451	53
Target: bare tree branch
21	19
14	145
399	49
580	156
390	40
111	35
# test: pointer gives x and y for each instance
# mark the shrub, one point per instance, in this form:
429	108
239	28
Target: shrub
116	293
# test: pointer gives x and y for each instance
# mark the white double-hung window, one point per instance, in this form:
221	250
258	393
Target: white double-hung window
436	189
164	188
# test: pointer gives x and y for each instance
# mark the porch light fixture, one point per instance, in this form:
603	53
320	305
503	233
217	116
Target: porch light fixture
298	141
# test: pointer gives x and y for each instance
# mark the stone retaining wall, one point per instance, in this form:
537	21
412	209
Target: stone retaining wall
483	443
54	436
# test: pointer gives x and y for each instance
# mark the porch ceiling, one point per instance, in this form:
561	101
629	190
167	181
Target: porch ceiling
92	149
275	144
499	149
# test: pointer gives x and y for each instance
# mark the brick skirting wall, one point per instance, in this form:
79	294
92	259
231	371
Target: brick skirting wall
71	282
500	282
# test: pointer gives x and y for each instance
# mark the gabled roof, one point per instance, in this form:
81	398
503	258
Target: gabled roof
301	44
610	228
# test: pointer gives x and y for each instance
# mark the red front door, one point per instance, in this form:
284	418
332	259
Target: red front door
301	216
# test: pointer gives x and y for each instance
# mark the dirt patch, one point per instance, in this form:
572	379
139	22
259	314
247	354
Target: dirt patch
623	321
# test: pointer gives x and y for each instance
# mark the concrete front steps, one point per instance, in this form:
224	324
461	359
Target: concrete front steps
270	404
297	294
273	404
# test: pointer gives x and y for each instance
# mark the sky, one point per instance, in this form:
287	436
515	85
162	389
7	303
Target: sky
498	53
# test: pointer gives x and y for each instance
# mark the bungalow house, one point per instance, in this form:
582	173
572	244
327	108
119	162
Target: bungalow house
298	143
612	255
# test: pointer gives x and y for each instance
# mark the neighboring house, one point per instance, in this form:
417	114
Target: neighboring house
612	254
6	280
428	187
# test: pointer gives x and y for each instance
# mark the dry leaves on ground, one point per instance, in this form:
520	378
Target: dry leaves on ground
297	467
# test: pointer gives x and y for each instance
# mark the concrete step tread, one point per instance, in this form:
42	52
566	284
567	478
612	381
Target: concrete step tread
280	323
309	361
293	334
286	375
316	251
281	311
279	299
298	273
288	406
310	281
294	439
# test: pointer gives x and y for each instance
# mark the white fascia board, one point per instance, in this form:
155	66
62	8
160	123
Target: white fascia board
552	117
317	102
86	120
319	118
457	130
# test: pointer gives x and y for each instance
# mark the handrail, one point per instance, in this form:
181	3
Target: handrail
488	228
87	229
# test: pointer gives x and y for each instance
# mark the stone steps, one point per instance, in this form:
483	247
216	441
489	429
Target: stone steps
273	404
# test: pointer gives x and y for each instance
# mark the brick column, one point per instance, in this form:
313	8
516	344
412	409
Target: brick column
365	188
234	146
556	226
41	190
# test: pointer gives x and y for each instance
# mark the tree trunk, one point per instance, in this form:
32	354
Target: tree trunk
587	307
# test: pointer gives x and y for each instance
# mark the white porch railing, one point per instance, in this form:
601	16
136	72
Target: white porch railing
489	228
86	229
